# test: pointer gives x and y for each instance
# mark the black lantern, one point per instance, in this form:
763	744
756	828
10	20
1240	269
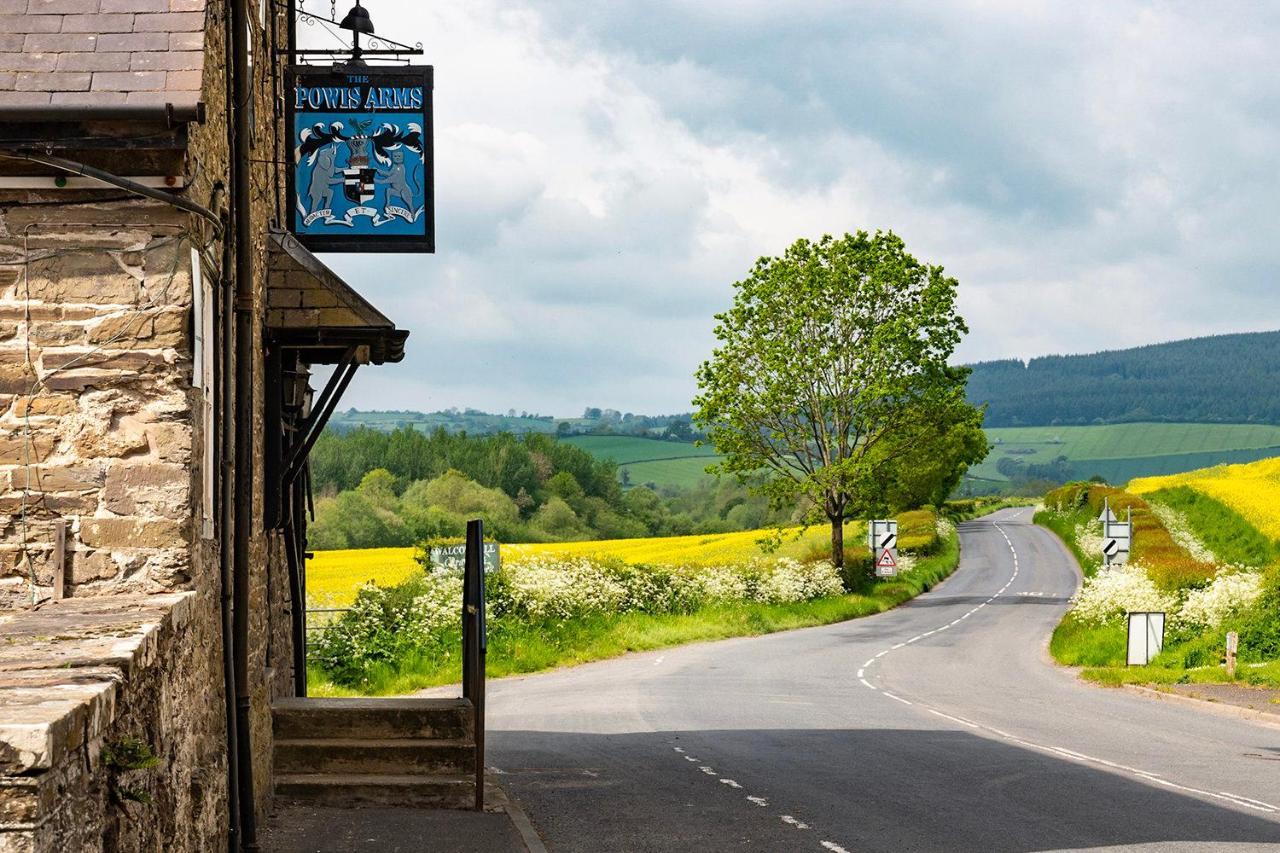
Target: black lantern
357	20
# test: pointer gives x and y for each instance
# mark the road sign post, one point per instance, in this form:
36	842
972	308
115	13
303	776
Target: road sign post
1117	536
882	541
1233	642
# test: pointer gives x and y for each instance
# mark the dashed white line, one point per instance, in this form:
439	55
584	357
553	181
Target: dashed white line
833	847
759	801
1224	796
798	824
730	783
705	769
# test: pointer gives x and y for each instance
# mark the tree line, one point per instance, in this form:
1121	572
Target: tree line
393	489
1219	379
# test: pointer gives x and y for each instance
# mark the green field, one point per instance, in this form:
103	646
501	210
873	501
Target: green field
1119	452
650	460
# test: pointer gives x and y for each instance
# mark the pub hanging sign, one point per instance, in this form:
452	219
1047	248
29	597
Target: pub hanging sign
361	176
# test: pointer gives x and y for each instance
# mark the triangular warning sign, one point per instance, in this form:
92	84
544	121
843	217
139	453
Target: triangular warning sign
886	560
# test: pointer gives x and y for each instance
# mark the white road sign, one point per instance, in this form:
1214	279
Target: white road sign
452	558
1146	637
882	533
887	564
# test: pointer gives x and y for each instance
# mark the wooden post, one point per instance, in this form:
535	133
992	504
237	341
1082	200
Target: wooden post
59	558
1233	641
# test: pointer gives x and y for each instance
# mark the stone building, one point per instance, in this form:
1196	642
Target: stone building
151	500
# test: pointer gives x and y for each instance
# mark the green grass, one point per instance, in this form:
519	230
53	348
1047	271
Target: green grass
519	648
1101	649
1223	530
1120	452
625	449
1065	526
650	460
684	473
1252	675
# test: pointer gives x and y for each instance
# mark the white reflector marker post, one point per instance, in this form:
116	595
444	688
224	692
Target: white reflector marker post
1146	637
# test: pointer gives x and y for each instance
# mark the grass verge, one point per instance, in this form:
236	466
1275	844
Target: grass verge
521	648
1100	649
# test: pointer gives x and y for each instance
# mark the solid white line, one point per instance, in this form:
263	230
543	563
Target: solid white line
899	698
1246	799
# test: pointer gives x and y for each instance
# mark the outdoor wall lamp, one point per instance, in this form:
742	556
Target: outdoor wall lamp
358	21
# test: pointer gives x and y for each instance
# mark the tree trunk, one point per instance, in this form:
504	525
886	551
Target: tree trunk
837	541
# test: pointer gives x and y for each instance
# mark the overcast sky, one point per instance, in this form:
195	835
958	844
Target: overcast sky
1096	175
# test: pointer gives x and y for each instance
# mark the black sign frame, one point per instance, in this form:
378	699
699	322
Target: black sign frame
364	79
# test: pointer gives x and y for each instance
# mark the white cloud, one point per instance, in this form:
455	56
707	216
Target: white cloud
1096	175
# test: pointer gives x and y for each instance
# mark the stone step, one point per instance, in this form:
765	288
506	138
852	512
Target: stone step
442	792
371	719
401	756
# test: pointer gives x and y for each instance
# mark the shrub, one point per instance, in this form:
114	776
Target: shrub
1229	595
388	625
1111	593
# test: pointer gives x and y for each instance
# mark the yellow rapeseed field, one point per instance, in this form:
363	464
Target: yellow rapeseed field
1251	489
334	576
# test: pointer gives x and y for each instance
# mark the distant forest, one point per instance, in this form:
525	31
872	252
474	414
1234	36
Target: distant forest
1220	379
594	421
377	488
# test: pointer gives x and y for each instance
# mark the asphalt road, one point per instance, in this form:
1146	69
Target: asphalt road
941	725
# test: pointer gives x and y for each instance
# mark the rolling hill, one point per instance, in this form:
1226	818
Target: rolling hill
1120	452
646	460
1225	379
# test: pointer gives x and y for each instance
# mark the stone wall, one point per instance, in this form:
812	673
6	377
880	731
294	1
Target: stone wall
81	679
100	431
96	407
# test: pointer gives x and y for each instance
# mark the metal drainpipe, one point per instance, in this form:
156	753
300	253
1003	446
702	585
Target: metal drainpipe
226	438
226	448
244	405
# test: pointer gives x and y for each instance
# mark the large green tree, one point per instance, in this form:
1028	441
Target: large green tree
831	373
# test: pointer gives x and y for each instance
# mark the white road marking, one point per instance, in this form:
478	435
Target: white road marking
660	659
761	802
1223	796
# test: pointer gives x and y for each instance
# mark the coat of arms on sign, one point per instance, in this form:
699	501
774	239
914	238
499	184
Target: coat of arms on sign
362	162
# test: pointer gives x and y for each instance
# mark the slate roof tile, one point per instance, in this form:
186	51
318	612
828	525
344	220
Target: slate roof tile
101	51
